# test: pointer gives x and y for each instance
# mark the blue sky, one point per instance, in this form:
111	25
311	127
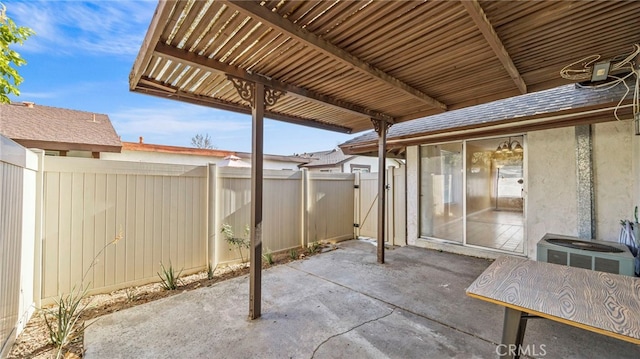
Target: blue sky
81	56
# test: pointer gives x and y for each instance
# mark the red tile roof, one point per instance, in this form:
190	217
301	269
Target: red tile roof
53	128
148	147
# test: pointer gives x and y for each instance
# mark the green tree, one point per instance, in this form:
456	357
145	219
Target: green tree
10	34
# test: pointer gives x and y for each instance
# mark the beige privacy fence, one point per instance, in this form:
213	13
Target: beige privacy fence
17	233
10	243
172	214
157	211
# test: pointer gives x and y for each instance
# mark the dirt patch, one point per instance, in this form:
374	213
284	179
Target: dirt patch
34	342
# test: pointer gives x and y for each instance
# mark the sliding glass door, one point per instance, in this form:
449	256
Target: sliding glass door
474	196
441	192
495	182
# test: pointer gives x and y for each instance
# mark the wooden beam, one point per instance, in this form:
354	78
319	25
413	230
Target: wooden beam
484	25
274	20
160	17
207	101
212	65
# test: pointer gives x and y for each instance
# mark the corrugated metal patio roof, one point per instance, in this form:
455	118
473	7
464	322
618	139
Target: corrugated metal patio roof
342	63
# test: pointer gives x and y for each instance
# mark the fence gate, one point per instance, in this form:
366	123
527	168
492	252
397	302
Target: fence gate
366	205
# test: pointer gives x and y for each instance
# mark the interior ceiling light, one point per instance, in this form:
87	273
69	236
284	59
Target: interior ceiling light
509	146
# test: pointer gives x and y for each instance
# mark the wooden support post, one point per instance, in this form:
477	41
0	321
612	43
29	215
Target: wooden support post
255	280
381	128
259	97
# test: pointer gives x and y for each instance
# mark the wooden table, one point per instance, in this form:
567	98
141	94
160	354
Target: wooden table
601	302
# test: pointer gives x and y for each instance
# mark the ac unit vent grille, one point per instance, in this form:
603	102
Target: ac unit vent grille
580	261
606	265
557	257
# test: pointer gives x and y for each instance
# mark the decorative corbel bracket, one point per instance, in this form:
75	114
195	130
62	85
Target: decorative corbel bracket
271	96
379	124
246	91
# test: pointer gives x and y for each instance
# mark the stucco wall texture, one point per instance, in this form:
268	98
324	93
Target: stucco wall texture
551	185
613	177
551	182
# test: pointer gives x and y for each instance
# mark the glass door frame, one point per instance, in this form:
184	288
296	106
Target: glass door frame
525	171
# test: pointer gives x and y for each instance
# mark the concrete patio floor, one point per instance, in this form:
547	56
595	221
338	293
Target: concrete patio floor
339	304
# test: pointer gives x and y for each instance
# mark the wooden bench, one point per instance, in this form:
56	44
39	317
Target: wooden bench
601	302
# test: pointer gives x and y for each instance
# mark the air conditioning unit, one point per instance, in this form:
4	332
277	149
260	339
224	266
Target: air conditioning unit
601	256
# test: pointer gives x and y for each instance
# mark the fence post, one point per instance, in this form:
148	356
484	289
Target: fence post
212	214
38	238
305	208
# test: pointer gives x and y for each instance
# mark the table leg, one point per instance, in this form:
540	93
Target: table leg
512	333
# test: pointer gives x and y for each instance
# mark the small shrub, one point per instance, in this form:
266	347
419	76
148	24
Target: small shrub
169	277
268	257
293	254
131	294
62	321
314	247
210	271
232	240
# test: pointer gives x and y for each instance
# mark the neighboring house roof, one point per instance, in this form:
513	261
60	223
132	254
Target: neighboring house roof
233	161
563	106
52	128
146	147
322	159
281	158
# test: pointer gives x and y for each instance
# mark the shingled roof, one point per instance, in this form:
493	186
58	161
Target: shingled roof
568	105
328	158
52	128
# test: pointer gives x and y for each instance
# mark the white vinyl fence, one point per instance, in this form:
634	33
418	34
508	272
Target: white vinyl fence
17	206
299	208
172	214
159	213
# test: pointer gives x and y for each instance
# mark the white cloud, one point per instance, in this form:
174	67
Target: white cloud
30	96
93	27
182	121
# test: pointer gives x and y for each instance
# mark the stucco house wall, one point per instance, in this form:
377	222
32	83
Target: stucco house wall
372	162
550	201
613	176
551	187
